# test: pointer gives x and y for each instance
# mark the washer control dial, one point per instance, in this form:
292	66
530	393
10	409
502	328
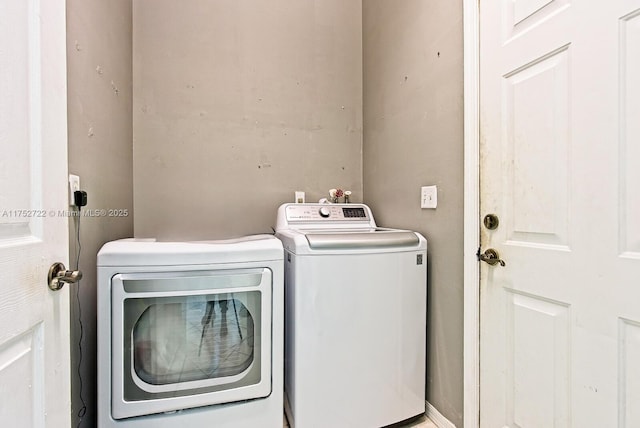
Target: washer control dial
324	212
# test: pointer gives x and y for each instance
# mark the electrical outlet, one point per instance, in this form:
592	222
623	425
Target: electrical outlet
429	197
74	184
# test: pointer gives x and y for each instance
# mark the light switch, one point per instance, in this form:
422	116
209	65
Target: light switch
429	197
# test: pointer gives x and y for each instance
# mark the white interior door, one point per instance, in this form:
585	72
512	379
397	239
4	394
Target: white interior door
560	167
34	321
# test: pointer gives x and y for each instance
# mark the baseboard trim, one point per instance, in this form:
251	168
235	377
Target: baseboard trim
437	418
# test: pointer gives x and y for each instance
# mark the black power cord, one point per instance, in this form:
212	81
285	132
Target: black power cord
80	200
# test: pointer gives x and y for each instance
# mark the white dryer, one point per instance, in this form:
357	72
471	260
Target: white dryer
190	334
355	318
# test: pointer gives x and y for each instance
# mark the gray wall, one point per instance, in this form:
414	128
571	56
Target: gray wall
237	104
413	117
100	152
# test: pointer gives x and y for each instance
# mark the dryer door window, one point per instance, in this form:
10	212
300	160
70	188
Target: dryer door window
180	344
188	341
207	339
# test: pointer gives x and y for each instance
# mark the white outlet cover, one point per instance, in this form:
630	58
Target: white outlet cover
429	197
74	184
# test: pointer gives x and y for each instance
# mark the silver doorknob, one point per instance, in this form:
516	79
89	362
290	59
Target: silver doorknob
491	257
59	276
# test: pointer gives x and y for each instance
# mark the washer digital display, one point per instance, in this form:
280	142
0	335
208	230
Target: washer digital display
353	212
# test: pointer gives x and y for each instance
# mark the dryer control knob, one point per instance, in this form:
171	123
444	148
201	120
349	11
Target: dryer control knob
324	212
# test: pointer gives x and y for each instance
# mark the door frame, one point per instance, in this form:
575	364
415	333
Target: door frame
471	228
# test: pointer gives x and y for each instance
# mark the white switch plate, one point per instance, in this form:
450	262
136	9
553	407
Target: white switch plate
74	184
429	197
299	197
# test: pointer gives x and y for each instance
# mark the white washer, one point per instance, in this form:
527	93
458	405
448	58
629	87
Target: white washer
190	334
355	318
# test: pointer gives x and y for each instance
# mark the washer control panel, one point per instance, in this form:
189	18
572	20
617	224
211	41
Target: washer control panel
327	212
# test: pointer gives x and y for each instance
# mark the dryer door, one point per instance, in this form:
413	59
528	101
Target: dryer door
189	339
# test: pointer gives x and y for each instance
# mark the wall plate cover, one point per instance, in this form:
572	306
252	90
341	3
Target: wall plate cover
74	184
429	197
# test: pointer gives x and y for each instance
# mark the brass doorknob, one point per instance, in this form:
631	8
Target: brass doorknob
59	276
491	257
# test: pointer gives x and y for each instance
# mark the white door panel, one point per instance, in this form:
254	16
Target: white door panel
560	157
34	321
630	135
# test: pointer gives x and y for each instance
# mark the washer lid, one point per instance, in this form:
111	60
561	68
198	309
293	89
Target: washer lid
148	252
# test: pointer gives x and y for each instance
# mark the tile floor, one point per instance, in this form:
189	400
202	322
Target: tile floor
422	422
